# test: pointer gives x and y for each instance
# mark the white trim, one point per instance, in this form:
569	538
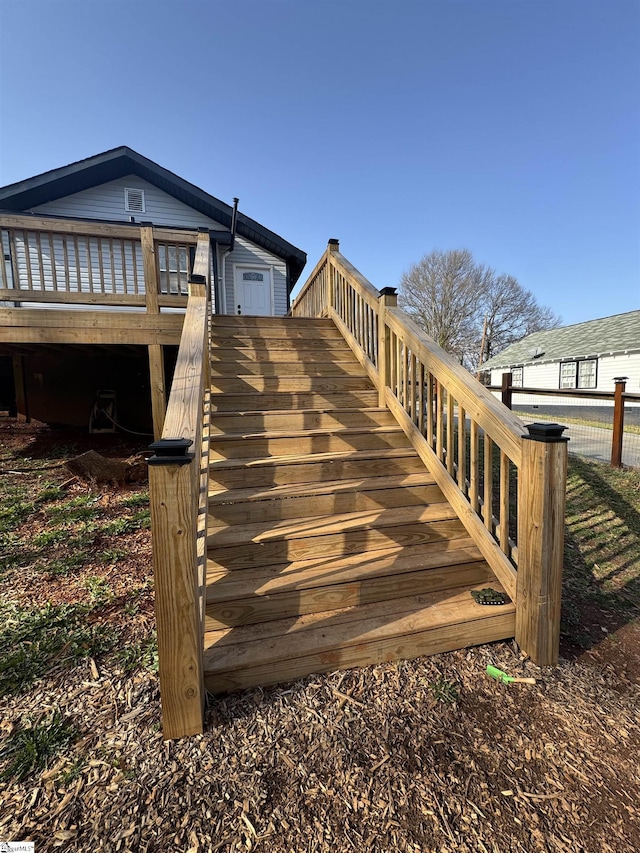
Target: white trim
257	268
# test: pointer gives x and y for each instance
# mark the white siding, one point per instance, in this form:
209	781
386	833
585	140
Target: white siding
107	202
246	253
609	366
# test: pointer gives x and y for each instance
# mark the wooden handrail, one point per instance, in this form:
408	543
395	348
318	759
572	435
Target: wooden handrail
86	228
178	496
505	483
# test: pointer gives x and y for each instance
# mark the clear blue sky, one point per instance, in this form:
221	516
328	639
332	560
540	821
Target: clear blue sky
511	128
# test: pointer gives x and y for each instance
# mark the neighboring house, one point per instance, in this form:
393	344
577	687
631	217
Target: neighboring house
586	355
80	245
254	269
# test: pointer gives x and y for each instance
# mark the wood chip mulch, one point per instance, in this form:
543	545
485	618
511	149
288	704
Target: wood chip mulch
419	756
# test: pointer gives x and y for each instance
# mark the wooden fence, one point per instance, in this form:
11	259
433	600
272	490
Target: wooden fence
178	487
507	488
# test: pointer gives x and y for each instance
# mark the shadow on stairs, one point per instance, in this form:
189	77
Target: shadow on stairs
329	544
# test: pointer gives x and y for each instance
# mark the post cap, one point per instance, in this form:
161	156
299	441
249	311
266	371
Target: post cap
545	432
388	291
333	245
171	451
620	378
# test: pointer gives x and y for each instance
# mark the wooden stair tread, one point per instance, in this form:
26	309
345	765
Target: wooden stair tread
323	525
304	433
315	411
346	568
232	649
330	456
289	490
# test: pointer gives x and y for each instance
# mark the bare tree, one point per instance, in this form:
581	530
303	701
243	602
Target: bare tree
442	293
454	300
511	313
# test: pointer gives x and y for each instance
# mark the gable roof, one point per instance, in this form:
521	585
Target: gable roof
608	335
122	161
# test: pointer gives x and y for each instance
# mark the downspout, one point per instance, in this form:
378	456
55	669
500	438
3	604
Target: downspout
234	220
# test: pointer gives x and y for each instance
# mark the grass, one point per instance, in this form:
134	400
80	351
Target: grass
444	690
140	655
30	749
602	547
34	642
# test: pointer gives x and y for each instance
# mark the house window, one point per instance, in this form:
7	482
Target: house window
134	200
578	374
173	267
587	373
517	377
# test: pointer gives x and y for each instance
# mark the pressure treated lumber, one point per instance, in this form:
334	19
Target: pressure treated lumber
278	651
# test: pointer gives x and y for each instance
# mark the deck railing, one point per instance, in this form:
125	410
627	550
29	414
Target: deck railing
90	263
507	488
178	487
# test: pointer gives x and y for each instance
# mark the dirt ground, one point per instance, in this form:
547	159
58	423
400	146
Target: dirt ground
424	755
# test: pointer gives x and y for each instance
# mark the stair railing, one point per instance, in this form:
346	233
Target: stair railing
178	488
508	488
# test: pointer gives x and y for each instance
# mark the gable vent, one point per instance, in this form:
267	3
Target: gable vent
134	200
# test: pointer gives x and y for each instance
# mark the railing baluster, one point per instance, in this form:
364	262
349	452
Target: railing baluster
450	433
488	483
439	424
52	253
462	450
474	463
430	431
504	502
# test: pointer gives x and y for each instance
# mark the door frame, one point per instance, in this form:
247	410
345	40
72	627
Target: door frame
254	268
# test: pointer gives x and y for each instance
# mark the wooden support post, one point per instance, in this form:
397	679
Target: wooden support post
388	299
174	480
507	390
156	358
158	393
20	382
541	504
150	268
618	422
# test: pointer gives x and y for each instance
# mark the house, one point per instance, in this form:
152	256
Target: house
585	356
74	238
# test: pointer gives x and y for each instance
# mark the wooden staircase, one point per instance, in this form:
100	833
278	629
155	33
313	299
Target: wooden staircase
329	544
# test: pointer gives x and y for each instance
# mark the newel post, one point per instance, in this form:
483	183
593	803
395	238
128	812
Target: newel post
618	422
388	298
333	246
173	497
541	505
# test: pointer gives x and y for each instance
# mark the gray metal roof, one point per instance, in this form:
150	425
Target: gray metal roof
616	334
122	161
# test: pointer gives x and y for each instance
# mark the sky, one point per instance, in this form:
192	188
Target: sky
510	128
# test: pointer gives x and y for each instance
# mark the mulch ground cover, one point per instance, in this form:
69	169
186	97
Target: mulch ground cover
424	755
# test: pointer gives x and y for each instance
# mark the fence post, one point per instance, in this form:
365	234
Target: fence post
618	422
174	478
387	298
507	390
541	505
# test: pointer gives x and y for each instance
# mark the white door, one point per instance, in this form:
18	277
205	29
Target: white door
253	291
